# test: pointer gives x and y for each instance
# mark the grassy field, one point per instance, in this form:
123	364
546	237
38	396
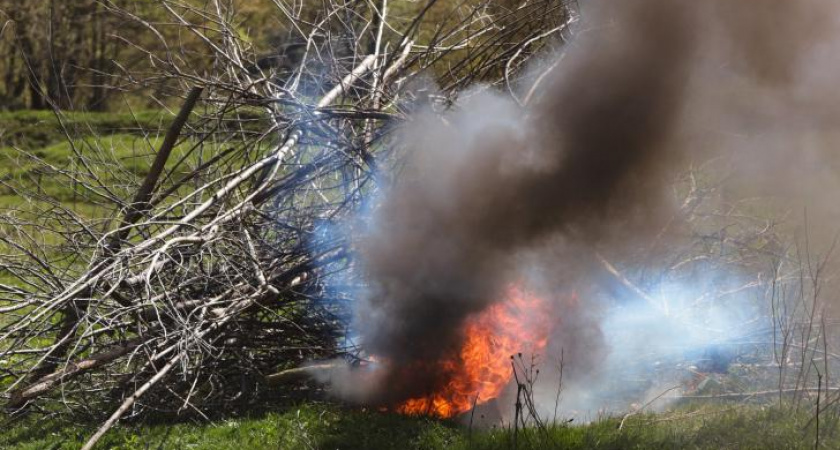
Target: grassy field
324	426
38	129
36	155
119	147
31	139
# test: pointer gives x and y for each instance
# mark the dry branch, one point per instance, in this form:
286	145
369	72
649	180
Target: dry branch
147	189
48	382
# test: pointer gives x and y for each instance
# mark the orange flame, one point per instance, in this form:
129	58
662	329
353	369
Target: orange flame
483	368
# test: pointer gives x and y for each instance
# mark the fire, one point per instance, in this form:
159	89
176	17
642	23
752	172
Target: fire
483	368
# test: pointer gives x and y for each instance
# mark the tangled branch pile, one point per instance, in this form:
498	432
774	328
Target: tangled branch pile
186	285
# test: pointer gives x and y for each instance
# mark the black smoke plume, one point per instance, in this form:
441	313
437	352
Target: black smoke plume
584	163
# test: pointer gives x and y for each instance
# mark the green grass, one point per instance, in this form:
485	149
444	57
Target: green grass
113	144
36	156
324	426
119	148
117	158
35	129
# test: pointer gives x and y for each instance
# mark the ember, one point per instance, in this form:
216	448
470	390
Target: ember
483	368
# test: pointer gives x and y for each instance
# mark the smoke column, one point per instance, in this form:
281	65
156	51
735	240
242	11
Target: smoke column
584	166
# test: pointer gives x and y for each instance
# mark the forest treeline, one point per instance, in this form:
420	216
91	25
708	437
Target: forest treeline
94	55
84	54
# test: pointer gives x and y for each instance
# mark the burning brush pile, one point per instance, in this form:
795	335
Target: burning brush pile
602	221
485	364
584	232
194	280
